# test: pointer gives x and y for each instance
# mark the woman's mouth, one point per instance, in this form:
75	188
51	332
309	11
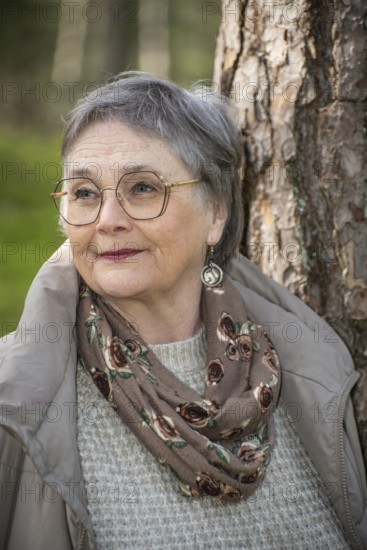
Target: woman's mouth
121	255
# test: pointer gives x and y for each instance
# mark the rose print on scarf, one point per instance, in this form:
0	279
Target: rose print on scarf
251	478
102	382
264	396
235	432
135	350
231	434
240	345
134	347
207	485
115	358
214	372
199	414
164	427
226	329
118	355
264	393
229	493
249	451
244	345
232	352
254	447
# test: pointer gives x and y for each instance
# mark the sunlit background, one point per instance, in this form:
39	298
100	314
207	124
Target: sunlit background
52	54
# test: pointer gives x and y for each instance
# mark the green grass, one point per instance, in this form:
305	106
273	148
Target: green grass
30	164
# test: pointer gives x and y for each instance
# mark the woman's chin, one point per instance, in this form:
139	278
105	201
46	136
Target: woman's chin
117	287
119	284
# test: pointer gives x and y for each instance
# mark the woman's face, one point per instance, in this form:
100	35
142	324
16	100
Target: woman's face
121	258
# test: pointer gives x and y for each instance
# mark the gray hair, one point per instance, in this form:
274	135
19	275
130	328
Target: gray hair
196	124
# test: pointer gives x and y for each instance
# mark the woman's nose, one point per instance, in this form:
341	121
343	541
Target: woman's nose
111	215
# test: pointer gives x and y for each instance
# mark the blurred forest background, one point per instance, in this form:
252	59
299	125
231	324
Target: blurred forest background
52	54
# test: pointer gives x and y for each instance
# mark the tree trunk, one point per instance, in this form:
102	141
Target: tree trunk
298	75
154	37
69	50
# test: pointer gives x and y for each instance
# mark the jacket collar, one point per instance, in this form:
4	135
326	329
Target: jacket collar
37	379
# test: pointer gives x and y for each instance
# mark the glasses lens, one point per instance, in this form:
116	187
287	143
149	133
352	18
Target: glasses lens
80	202
142	195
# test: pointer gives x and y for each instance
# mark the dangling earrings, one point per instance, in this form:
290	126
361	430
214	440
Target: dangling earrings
211	274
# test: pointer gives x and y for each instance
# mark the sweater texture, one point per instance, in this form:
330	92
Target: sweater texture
134	502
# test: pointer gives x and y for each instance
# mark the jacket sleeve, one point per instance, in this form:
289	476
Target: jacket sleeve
11	463
323	372
33	515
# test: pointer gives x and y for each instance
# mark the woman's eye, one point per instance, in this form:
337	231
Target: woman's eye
142	187
84	193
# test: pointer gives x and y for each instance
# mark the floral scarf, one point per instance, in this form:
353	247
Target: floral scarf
217	444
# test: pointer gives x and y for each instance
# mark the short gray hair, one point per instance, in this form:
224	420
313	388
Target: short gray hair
196	124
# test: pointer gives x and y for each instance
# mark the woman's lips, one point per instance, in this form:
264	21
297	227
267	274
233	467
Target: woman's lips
119	255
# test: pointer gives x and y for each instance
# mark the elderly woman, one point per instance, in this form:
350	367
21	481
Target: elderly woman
139	393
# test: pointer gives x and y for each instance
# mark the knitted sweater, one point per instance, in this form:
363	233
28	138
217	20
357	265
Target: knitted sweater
134	501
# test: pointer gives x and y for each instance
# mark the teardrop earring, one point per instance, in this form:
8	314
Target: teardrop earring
211	274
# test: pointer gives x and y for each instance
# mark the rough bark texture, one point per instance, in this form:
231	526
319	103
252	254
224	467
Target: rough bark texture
297	72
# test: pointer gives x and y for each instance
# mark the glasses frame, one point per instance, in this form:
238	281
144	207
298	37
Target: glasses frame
167	192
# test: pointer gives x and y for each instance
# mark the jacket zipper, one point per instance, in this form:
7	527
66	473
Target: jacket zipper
343	468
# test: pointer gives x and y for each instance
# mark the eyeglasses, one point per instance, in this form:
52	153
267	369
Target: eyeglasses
142	196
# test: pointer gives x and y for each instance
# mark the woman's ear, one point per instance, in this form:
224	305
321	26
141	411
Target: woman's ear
217	226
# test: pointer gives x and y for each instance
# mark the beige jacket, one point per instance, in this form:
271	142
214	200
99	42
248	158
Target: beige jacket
43	504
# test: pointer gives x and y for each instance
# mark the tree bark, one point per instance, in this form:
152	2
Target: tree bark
297	73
